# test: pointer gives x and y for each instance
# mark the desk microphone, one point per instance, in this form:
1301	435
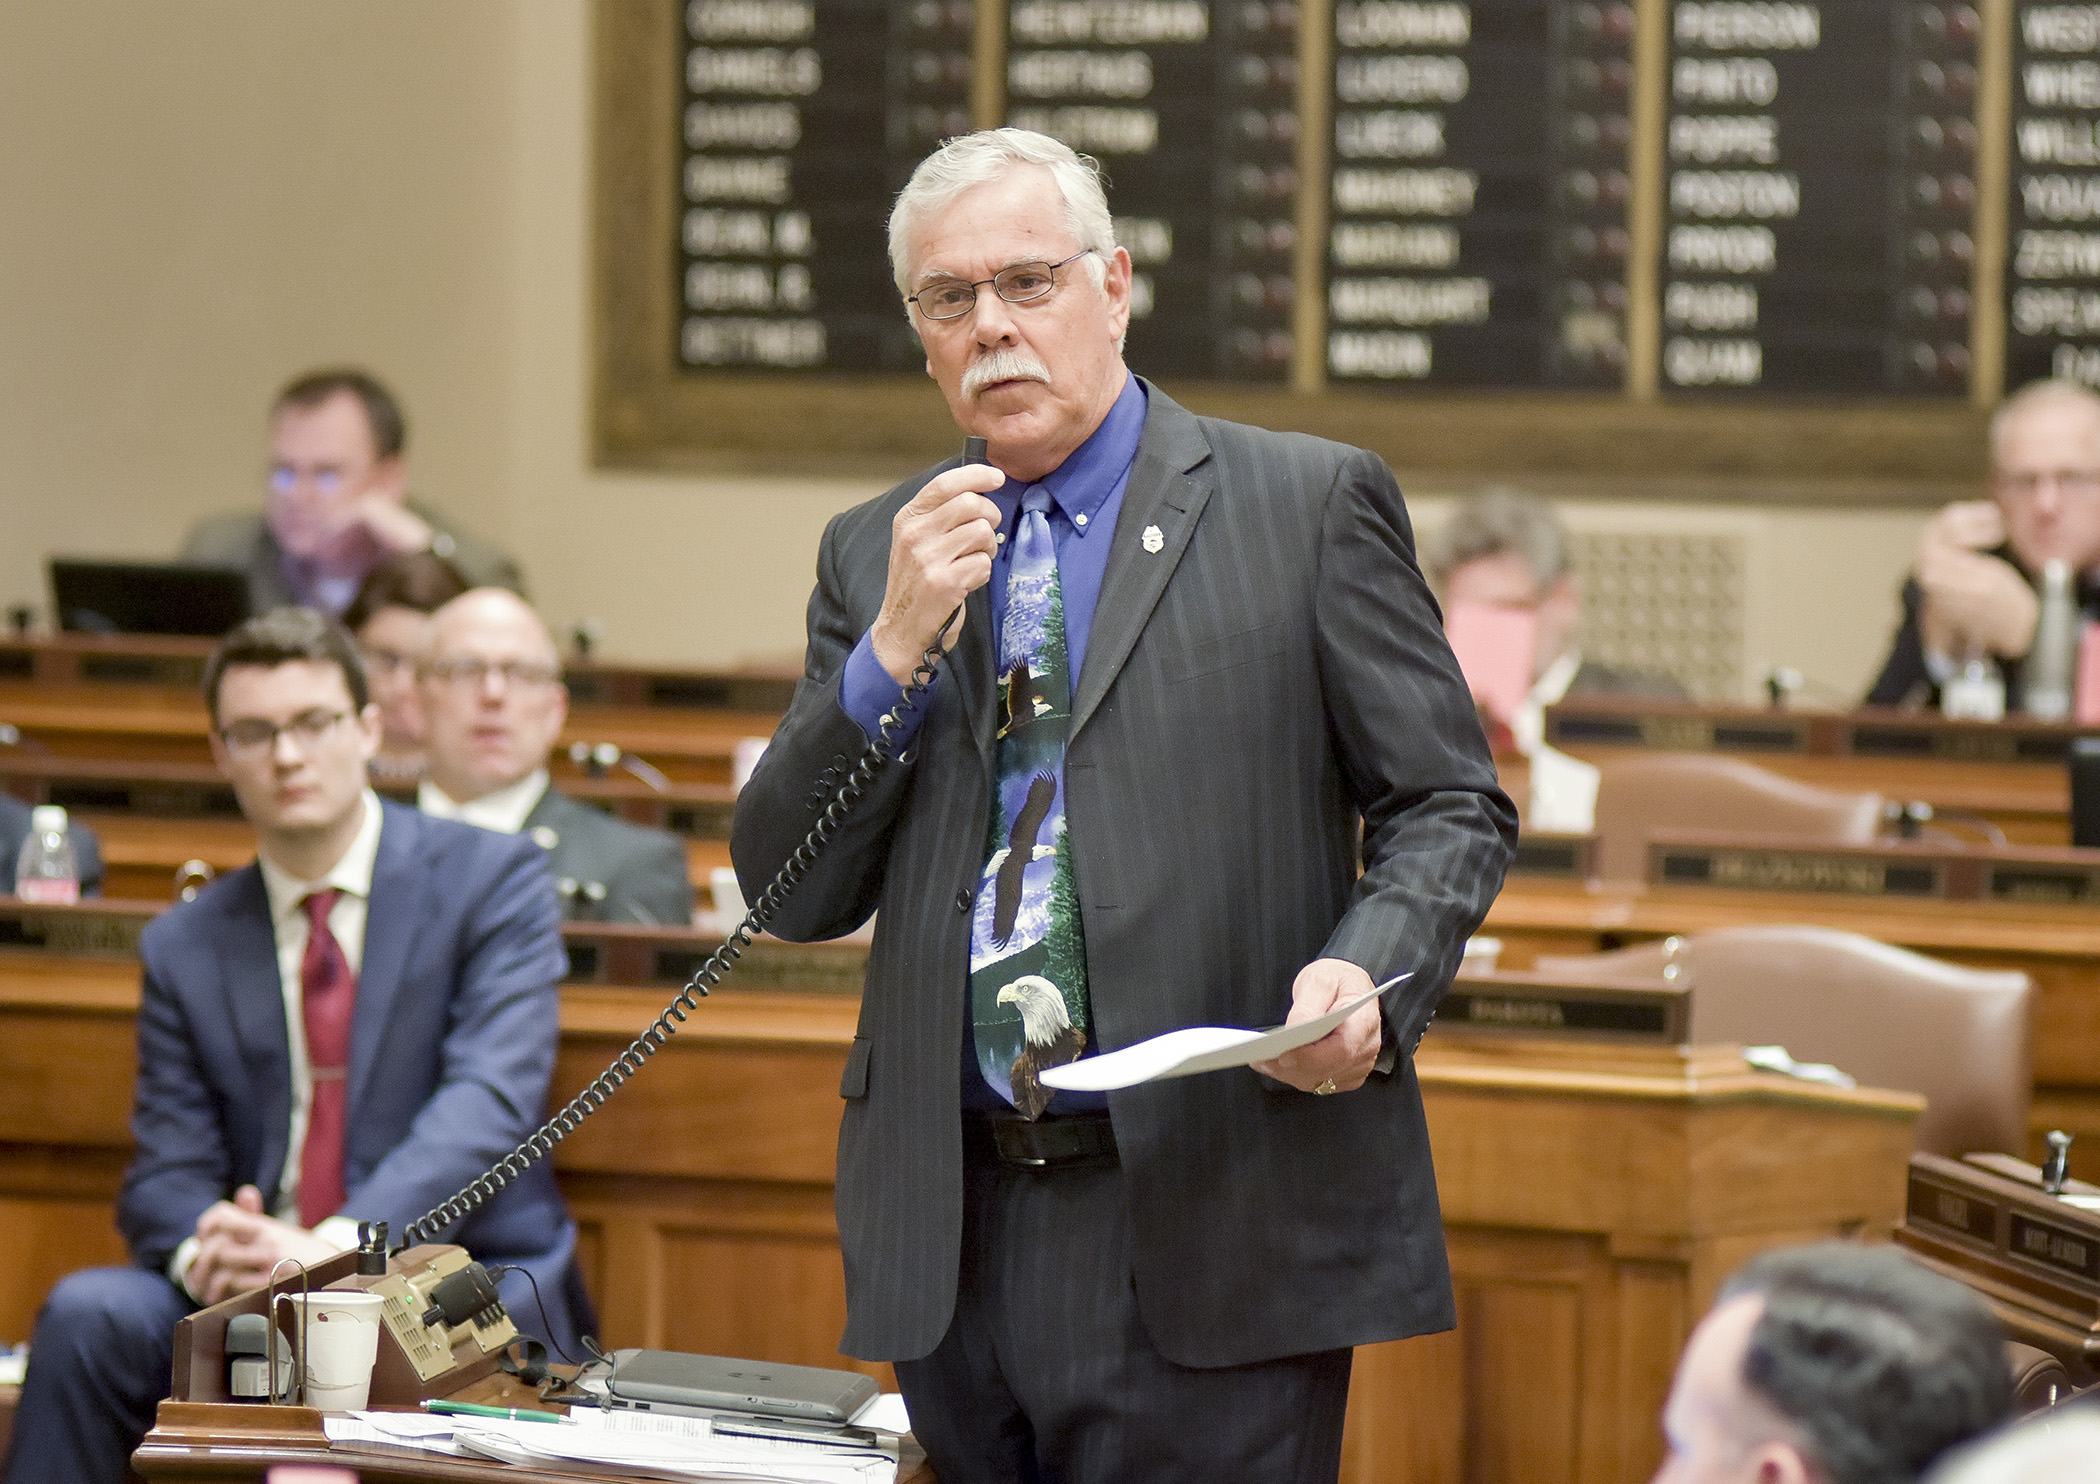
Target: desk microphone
248	1359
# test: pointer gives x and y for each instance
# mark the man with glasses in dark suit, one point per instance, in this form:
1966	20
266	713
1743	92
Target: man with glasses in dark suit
1198	753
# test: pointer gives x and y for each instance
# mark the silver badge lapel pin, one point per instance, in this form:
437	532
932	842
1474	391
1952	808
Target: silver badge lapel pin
1152	540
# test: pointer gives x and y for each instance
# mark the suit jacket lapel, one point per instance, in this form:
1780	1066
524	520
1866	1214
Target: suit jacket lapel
400	891
254	990
1166	489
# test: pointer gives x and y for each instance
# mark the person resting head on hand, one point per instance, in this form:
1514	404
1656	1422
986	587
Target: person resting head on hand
1972	592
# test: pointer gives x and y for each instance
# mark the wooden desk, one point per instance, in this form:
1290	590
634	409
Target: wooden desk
192	790
217	1443
148	659
1592	1200
163	724
2011	773
717	1161
2058	947
141	852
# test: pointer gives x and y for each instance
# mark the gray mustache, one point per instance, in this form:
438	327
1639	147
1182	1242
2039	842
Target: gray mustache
1004	365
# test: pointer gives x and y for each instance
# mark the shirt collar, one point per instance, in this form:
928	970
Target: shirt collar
1096	468
351	873
504	811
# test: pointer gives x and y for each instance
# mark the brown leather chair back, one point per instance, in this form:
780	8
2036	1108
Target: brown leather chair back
1887	1016
1640	794
2039	1379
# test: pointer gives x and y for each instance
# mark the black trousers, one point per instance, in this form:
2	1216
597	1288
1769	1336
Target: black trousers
1047	1374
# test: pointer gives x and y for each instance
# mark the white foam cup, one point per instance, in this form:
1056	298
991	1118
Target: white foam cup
341	1342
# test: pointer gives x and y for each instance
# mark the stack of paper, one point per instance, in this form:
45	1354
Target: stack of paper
625	1445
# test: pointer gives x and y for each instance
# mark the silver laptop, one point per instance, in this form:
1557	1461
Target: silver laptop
669	1381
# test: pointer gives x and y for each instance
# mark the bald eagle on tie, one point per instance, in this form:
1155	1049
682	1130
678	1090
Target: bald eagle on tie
1048	1035
1010	866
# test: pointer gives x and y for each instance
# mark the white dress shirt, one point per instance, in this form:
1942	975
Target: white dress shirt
352	877
504	811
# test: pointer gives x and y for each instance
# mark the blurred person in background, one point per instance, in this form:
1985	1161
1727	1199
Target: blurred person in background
1838	1363
493	704
338	504
1972	593
1505	549
390	619
1503	568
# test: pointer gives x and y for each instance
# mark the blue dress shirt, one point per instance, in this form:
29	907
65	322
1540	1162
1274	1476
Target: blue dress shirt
1086	493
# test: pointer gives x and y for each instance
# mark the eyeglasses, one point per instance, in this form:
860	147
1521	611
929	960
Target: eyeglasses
474	673
2077	483
1018	283
251	736
380	661
327	483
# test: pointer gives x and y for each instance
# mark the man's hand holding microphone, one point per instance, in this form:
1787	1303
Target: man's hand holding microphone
941	548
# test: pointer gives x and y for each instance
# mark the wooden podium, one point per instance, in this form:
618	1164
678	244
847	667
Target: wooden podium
1595	1195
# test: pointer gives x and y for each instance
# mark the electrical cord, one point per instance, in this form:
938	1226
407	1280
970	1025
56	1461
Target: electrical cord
542	1142
545	1323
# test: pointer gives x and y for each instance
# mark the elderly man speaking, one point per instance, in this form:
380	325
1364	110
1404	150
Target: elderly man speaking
1198	754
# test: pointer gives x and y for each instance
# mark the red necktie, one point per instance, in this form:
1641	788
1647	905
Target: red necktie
329	991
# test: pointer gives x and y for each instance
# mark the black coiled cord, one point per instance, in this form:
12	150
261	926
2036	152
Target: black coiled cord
478	1191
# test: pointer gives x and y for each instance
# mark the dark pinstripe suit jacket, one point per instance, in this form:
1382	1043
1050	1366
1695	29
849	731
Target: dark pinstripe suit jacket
1272	677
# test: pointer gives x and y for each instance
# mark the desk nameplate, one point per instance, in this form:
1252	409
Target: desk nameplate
100	926
1564	857
1683	726
2019	1230
1963	742
1895	869
1533	1005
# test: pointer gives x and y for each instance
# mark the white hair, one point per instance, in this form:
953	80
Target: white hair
971	160
2053	392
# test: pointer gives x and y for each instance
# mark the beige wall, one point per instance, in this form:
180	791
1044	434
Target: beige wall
197	200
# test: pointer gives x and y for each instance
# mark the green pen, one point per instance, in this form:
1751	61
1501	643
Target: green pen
475	1409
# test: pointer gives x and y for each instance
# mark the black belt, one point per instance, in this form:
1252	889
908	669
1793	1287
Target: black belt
1074	1139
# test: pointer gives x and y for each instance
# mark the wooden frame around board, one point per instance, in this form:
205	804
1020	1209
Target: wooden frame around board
649	414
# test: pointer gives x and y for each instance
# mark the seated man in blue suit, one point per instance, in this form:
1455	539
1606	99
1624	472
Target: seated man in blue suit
351	1028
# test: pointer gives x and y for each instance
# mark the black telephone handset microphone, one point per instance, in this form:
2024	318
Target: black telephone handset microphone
844	798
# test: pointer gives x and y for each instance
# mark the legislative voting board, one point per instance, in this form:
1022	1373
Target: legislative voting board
1829	184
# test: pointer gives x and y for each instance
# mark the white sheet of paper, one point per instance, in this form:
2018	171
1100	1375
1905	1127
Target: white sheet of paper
884	1414
1199	1048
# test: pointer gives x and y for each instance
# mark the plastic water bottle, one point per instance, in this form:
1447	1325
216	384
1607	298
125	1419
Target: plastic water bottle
44	871
1976	694
2052	664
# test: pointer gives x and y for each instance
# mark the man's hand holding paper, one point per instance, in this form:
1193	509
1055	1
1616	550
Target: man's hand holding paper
1345	1055
1211	1048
